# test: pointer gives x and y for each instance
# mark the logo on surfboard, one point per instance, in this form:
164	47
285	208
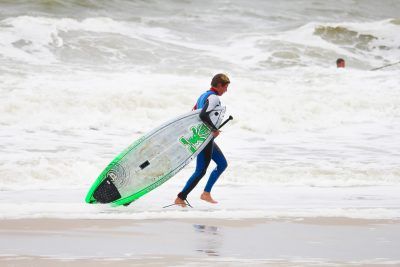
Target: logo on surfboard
199	135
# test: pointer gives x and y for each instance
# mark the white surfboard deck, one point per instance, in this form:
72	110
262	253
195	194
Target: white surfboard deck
156	157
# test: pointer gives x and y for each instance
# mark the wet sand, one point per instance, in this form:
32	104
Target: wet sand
200	242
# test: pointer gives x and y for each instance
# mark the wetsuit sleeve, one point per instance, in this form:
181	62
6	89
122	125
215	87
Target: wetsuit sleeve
211	103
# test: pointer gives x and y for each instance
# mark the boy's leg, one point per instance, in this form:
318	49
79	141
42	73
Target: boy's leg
222	164
203	160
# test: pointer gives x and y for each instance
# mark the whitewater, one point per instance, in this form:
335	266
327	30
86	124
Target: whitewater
80	81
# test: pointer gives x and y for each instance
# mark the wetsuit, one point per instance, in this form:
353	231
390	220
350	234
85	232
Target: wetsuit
206	102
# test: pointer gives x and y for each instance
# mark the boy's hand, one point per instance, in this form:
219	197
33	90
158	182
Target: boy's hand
216	133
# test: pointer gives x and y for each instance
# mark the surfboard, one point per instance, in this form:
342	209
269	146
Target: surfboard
153	159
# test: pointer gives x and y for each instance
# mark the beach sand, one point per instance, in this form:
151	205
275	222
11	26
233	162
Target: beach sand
200	242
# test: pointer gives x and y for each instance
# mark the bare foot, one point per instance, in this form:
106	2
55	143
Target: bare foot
206	196
180	202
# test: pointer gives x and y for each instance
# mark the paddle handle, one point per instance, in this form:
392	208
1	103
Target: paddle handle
228	119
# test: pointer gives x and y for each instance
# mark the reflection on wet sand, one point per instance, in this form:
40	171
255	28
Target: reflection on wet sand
209	241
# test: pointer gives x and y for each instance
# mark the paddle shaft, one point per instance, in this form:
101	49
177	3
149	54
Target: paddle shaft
228	119
386	66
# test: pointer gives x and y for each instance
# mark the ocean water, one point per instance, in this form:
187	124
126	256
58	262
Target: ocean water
81	80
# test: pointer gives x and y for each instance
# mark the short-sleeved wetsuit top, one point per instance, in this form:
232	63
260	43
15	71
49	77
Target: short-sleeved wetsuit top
207	102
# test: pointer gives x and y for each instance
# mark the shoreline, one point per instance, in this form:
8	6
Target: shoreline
16	223
377	202
180	261
336	241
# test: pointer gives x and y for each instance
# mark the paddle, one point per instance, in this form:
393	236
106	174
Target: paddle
228	119
386	66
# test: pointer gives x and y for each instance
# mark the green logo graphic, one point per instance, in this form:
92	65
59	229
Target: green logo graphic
199	135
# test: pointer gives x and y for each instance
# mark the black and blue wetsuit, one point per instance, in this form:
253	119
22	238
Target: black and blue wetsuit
206	102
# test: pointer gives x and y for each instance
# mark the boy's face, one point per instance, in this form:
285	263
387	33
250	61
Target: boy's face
221	89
